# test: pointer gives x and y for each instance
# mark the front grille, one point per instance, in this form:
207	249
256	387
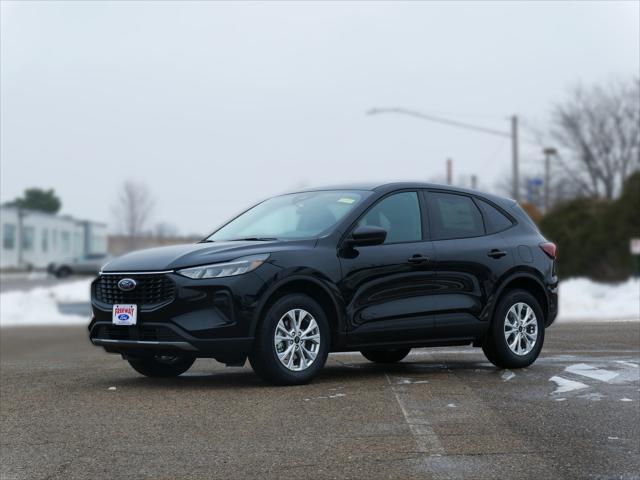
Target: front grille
151	290
154	334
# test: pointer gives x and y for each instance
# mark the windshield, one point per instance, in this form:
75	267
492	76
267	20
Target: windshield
298	215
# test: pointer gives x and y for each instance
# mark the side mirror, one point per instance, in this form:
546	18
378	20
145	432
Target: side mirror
364	236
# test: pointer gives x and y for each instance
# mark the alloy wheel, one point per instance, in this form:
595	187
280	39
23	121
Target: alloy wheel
521	328
297	339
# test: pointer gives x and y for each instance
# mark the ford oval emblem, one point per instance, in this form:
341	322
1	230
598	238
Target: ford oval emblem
127	284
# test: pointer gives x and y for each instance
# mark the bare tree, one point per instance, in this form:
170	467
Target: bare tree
598	132
133	209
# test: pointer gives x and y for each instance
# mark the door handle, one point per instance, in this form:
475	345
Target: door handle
495	253
418	259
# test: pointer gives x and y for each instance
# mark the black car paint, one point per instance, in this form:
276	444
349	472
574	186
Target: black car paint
430	292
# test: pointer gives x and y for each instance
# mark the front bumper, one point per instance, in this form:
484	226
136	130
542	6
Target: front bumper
204	318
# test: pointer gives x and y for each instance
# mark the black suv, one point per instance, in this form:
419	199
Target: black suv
378	269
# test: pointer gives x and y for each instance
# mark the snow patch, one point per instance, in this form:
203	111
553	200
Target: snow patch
507	375
565	385
628	364
39	306
582	299
591	372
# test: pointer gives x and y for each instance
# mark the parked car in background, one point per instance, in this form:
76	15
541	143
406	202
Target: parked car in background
379	269
88	265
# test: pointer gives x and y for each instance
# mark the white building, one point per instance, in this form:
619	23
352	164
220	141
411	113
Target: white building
35	239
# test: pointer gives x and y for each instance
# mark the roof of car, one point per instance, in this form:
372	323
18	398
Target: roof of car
389	187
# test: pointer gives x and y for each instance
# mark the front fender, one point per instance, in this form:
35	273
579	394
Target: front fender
280	279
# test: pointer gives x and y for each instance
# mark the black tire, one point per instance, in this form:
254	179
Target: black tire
63	272
385	356
264	358
495	345
162	366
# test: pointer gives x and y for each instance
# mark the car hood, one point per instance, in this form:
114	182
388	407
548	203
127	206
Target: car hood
188	255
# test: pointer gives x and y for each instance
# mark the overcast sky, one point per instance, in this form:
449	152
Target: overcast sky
215	106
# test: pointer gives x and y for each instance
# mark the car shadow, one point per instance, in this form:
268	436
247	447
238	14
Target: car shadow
336	371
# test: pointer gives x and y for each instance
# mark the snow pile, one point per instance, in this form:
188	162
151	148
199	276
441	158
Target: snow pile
583	299
580	300
39	306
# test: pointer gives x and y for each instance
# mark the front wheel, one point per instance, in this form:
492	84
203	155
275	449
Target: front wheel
385	356
292	343
517	331
162	365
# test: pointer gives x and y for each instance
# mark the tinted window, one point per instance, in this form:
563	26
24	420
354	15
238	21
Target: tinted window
494	219
399	215
454	216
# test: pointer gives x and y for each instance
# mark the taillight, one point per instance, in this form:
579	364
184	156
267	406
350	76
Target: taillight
550	249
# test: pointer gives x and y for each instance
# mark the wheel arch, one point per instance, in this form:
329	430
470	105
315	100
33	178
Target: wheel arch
305	285
524	281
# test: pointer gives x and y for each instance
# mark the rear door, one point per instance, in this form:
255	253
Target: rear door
388	288
470	256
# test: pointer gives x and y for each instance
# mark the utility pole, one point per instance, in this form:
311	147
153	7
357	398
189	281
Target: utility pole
513	135
548	152
449	171
474	182
514	155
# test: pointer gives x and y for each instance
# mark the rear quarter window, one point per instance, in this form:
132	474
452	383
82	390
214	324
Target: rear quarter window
521	214
494	219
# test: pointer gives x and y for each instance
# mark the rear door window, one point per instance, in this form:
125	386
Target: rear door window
453	216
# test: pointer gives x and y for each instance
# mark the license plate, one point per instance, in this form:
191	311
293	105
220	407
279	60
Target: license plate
125	314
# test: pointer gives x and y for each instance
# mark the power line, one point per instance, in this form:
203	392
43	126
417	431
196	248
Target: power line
446	121
513	135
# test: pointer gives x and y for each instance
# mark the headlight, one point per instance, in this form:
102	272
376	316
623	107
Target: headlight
228	269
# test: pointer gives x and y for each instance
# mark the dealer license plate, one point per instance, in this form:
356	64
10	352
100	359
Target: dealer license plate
125	314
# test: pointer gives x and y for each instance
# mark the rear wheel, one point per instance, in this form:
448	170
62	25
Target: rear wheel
385	356
292	343
162	365
517	331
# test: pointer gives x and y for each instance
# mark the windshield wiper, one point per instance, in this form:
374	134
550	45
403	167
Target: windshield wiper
252	239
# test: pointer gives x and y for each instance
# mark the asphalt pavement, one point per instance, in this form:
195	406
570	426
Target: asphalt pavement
71	411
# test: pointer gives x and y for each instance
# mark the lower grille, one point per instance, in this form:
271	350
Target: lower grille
150	290
153	334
